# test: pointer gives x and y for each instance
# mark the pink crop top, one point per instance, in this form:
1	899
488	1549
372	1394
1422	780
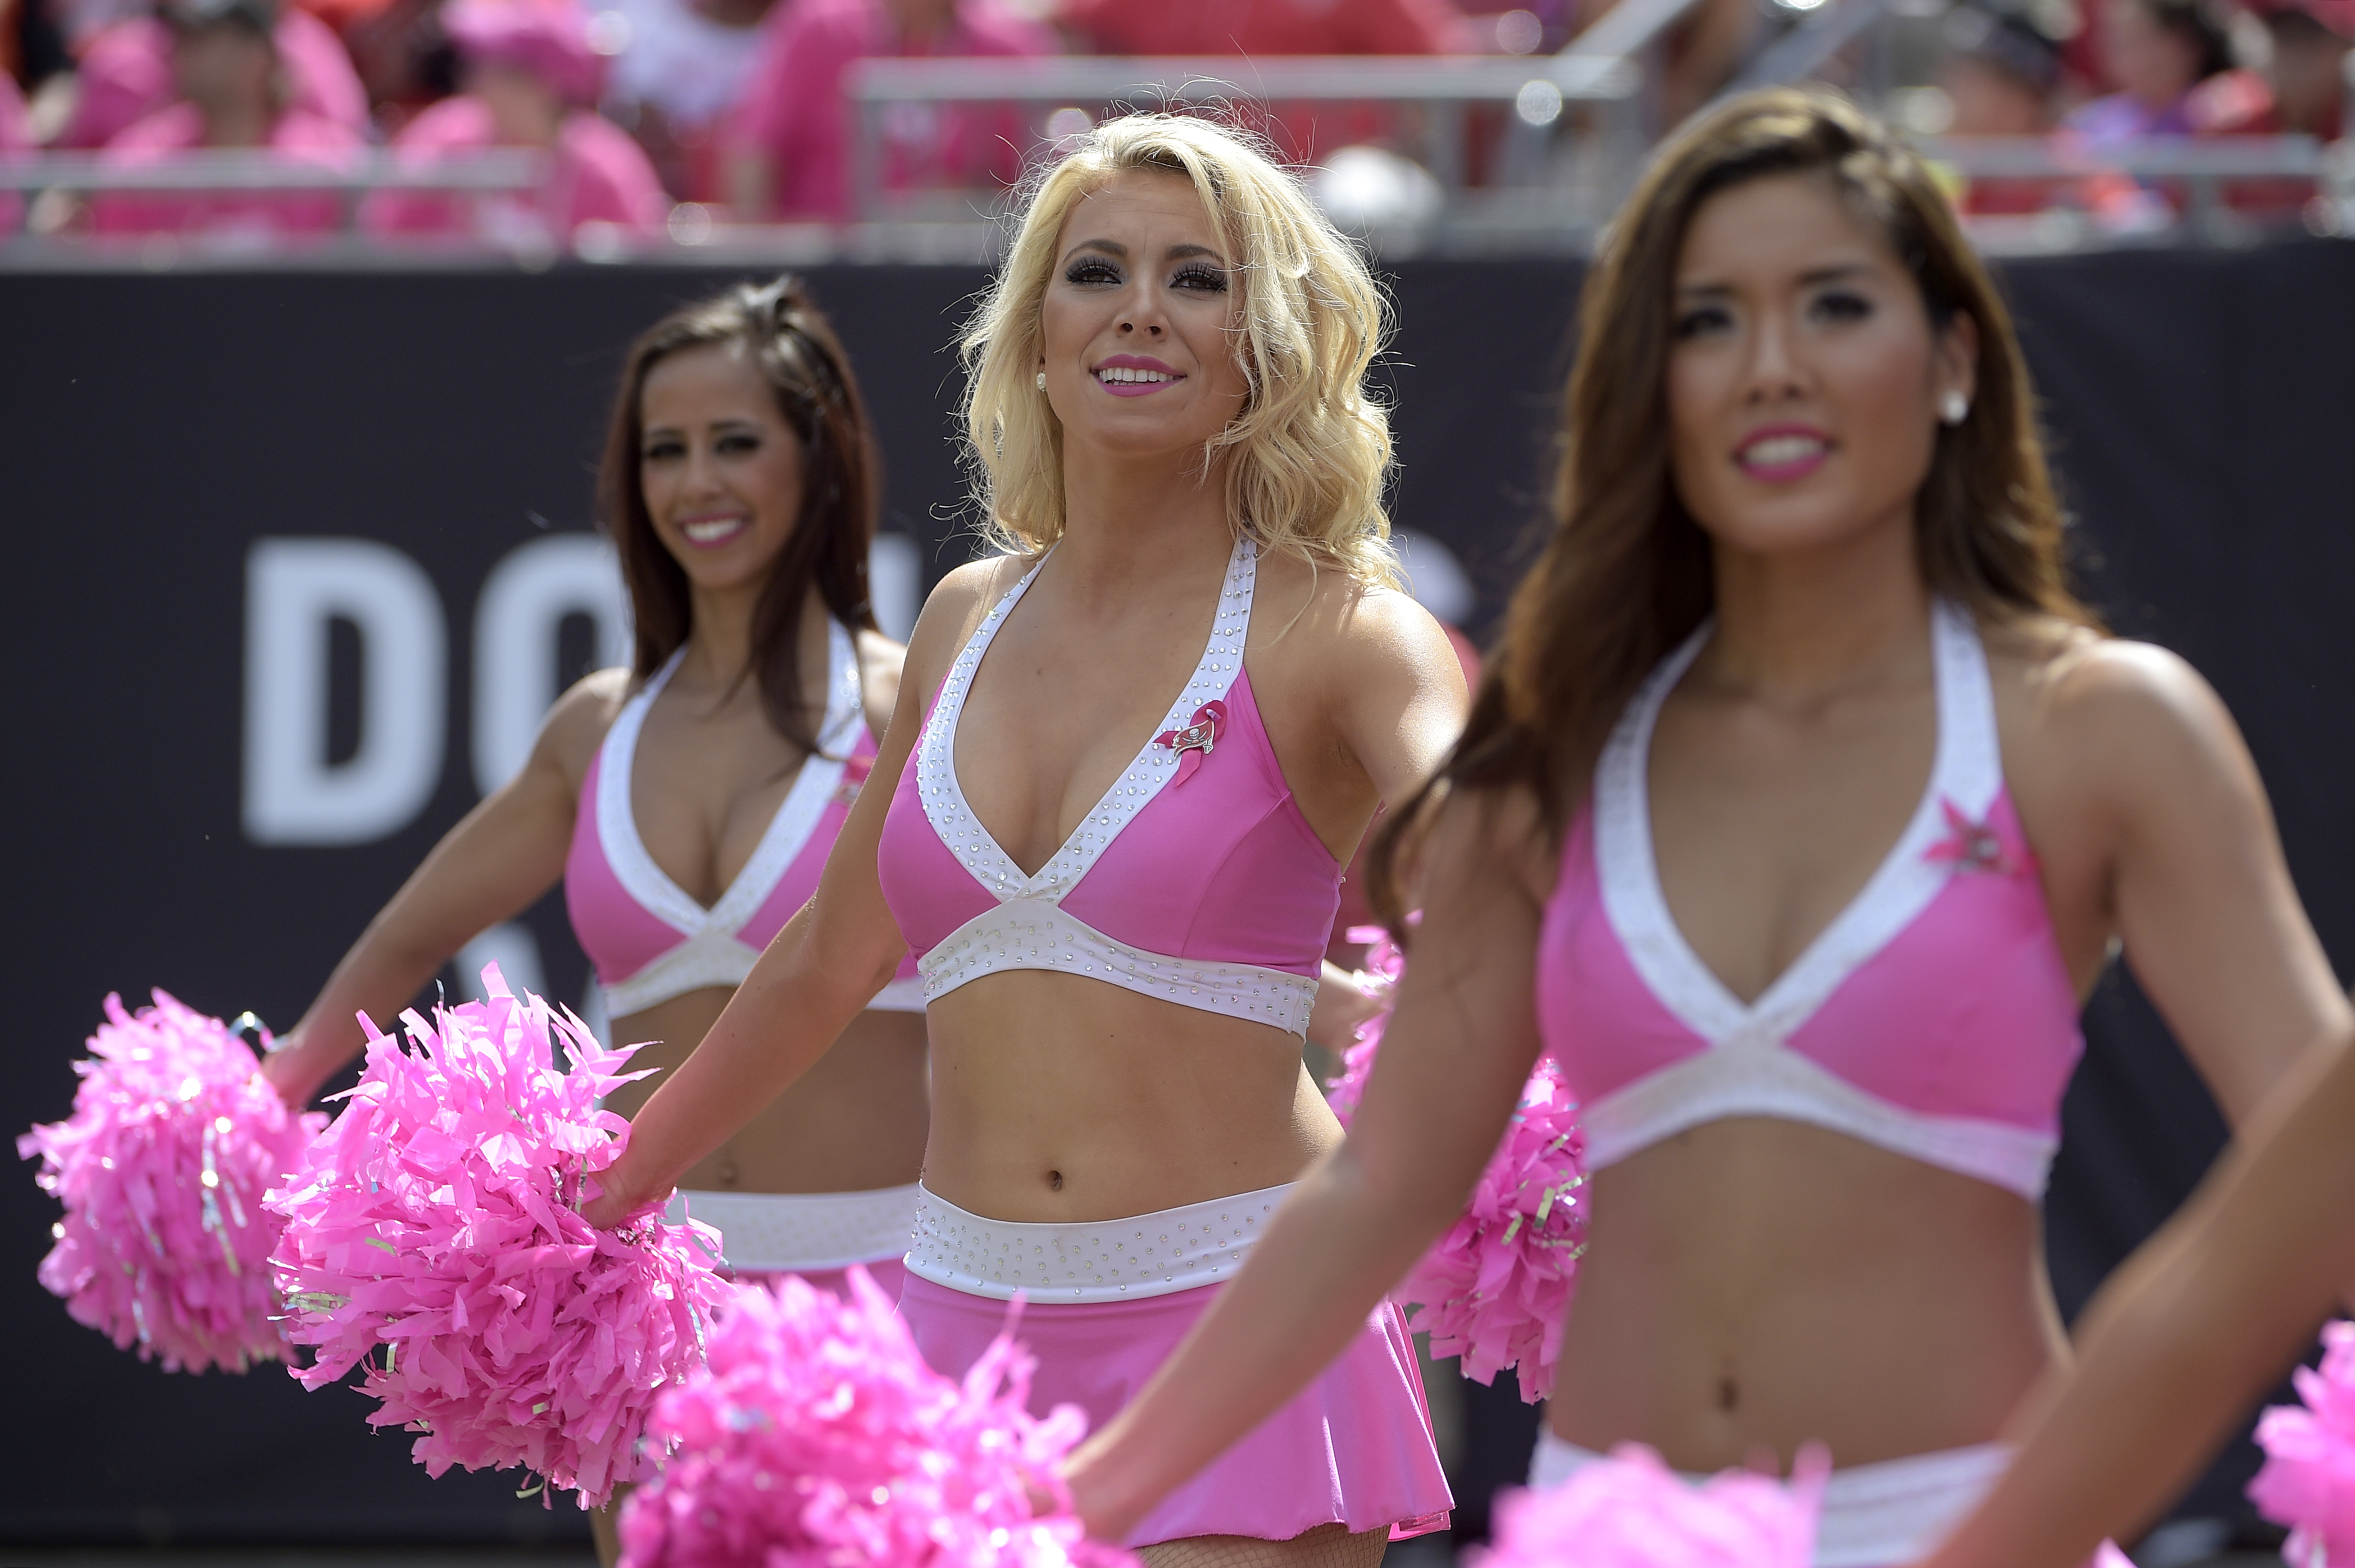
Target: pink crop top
649	940
1933	1016
1195	878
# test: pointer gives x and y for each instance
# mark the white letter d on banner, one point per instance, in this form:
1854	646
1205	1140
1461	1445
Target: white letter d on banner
293	588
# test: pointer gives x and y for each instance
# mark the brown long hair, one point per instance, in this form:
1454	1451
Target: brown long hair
793	346
1627	573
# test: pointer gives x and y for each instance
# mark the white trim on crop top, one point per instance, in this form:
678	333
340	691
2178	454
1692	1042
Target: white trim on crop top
1748	1069
1028	928
712	954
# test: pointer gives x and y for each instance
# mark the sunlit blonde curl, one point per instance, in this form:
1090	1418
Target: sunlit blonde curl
1304	463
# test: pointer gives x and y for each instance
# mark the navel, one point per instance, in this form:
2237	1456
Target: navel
1055	1179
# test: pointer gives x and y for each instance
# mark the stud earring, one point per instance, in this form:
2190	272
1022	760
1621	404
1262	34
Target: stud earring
1954	407
1042	380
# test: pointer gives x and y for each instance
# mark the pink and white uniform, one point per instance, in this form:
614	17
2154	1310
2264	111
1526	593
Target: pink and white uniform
651	940
1194	880
1933	1018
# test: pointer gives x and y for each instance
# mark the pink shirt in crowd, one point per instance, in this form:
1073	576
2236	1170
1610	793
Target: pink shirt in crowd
16	139
1302	131
596	174
794	111
126	75
1266	26
260	216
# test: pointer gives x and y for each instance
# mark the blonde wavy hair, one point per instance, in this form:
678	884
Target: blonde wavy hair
1306	460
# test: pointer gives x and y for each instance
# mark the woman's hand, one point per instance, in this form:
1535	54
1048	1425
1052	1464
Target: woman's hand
1092	1497
617	1198
283	1070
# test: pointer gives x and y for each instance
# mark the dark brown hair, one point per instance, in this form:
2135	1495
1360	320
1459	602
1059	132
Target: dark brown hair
1627	573
792	345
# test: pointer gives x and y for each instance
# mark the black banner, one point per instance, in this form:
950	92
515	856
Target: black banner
297	559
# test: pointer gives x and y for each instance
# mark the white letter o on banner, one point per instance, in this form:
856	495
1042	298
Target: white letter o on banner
525	600
293	588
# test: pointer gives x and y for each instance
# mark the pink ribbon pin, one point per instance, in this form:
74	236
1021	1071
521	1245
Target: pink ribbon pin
1971	845
1197	740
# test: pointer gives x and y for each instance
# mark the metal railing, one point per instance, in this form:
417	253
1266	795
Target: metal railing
1611	72
1435	94
352	176
1574	131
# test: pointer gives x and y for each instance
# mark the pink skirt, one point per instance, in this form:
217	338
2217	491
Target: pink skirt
890	1273
1354	1449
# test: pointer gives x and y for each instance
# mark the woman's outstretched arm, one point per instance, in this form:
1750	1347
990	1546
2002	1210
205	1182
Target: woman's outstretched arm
1452	1062
496	863
2200	1321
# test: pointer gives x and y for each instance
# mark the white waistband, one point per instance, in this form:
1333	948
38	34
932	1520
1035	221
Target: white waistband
1102	1260
1893	1511
793	1233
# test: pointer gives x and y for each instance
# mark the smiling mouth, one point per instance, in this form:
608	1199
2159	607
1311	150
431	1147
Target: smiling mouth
1783	456
712	530
1129	376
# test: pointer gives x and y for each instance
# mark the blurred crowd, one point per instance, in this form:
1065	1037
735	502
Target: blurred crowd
635	107
2098	75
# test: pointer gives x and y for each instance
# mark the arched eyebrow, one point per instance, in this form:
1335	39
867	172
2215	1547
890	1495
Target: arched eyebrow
1815	277
1115	248
725	423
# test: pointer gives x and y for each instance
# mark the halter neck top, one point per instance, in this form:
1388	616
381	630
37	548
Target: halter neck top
1933	1016
648	938
1195	878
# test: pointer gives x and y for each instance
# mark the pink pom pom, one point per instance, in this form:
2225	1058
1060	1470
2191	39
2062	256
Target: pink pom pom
1386	962
1632	1512
438	1218
817	1435
2308	1479
162	1166
1496	1288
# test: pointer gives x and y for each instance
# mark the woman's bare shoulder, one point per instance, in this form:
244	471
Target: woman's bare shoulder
2129	715
880	661
1499	836
1338	616
952	611
576	726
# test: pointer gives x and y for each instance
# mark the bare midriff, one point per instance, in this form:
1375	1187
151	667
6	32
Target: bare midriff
1759	1284
1056	1098
853	1122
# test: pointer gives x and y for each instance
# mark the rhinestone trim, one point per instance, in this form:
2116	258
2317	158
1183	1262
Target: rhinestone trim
710	955
1105	1260
793	1233
1028	930
944	798
1023	934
